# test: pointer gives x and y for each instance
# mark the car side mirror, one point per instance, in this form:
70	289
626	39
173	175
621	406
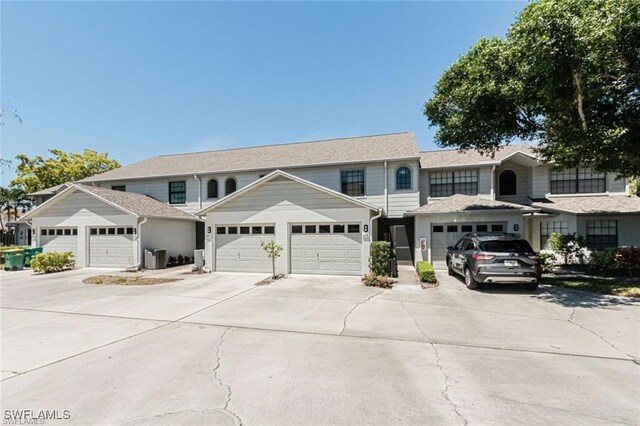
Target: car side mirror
450	248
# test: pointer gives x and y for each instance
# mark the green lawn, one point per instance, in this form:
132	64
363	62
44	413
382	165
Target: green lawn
616	286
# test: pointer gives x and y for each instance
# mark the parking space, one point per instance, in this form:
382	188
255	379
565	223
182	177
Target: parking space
315	350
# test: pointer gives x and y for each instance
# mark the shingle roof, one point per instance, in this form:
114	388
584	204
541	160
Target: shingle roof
455	158
591	205
466	203
347	150
138	204
52	190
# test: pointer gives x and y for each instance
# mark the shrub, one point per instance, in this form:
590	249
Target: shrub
628	258
379	254
568	246
52	262
547	261
373	280
426	272
603	260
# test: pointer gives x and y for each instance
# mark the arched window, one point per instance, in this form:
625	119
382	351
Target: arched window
230	186
403	178
508	183
212	188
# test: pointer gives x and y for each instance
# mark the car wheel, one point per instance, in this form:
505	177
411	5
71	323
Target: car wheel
450	270
530	286
471	283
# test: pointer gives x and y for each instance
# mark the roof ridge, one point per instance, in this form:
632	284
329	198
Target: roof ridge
471	149
283	144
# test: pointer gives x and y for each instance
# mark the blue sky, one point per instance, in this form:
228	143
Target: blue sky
147	78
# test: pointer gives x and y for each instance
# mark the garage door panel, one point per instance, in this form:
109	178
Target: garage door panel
111	248
354	254
325	253
54	239
443	235
242	252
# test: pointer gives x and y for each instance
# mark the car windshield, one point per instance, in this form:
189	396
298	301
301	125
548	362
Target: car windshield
507	246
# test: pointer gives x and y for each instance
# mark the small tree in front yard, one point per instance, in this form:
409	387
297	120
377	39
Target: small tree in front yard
273	252
567	246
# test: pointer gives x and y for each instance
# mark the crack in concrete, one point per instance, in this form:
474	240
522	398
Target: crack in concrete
225	408
344	322
429	339
607	342
164	324
445	391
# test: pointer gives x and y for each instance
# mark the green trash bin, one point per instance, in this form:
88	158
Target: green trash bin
13	260
29	253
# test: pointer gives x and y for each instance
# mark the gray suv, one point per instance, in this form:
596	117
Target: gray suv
494	257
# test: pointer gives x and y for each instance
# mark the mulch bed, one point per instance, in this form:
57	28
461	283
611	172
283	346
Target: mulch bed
120	280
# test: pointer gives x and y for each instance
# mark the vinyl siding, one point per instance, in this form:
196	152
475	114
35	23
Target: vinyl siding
540	183
282	202
329	177
80	210
617	186
523	182
484	182
542	176
176	236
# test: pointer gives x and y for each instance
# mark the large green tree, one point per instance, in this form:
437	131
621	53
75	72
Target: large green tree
37	173
566	77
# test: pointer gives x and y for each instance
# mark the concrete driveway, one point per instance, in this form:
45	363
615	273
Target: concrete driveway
315	350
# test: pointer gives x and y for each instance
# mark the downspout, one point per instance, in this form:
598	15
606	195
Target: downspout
372	219
493	182
199	191
140	247
386	190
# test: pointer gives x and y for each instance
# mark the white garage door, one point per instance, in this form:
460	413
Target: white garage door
111	247
334	249
59	239
238	248
448	234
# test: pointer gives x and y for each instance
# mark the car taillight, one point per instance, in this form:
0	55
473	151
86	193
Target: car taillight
539	269
478	256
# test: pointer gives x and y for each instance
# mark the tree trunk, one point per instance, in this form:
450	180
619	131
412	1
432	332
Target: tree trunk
577	83
273	268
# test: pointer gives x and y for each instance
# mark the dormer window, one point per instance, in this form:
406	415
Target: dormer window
577	181
403	178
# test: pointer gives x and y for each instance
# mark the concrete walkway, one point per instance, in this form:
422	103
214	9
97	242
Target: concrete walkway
315	350
407	275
